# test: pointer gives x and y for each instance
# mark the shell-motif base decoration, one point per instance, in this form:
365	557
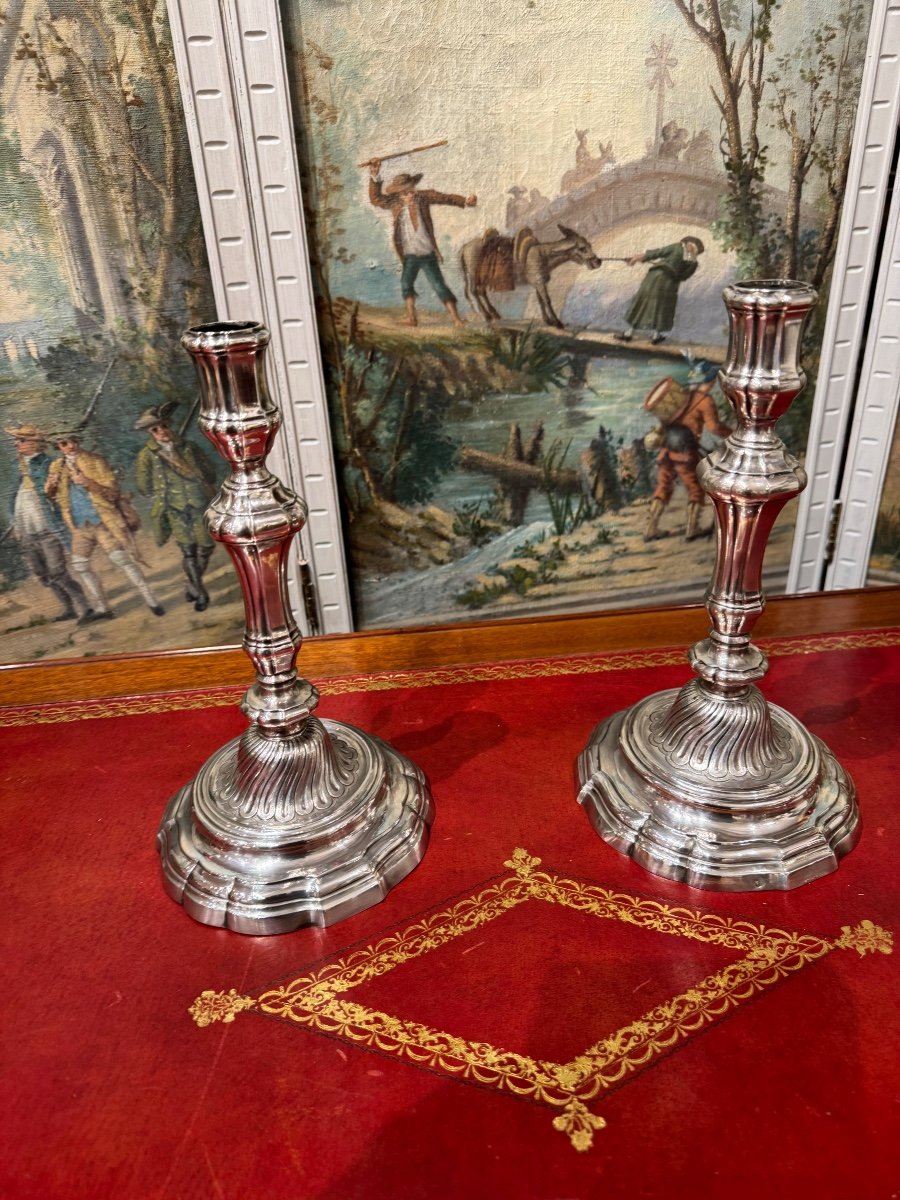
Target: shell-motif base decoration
274	869
715	814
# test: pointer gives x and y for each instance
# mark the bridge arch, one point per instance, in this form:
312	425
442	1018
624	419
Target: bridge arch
682	198
648	188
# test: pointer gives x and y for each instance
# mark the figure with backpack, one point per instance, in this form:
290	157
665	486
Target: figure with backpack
683	413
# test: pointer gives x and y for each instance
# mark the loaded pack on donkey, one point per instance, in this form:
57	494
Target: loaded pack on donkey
494	263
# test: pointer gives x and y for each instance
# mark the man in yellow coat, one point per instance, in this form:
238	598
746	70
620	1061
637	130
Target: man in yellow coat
86	489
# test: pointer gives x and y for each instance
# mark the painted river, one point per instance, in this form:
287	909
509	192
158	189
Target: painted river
612	395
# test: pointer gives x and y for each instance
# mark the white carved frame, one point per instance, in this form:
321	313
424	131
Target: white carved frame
874	420
235	90
852	405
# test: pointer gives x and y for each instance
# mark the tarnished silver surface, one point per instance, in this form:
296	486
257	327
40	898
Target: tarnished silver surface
299	821
710	784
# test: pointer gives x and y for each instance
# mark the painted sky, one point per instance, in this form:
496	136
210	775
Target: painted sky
509	81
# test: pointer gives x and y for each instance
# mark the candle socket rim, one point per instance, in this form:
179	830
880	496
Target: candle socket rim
223	337
770	293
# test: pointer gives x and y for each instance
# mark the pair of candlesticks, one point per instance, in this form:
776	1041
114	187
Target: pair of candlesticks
302	821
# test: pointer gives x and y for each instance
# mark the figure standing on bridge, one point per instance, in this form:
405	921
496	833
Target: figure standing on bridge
414	238
654	305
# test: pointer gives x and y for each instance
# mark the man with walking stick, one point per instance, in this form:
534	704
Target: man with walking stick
413	235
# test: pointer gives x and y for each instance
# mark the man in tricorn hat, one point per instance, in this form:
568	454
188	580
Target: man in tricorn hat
85	487
683	414
38	527
414	238
180	479
654	305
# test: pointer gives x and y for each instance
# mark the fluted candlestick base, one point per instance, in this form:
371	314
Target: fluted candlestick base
710	785
738	800
340	819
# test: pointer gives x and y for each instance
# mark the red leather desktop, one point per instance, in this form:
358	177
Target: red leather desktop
528	1015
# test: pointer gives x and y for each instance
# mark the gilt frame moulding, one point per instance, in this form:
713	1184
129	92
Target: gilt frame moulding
235	91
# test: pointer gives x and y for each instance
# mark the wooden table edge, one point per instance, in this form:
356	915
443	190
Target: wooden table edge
432	646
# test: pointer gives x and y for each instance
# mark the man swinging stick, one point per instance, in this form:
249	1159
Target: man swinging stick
413	235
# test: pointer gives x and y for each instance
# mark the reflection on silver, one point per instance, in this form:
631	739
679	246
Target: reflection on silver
299	821
711	785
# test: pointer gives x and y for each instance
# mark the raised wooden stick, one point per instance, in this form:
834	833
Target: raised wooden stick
402	153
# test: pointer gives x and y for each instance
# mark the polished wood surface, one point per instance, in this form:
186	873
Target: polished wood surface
488	641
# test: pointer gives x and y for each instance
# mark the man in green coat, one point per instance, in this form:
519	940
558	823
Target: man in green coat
653	307
180	478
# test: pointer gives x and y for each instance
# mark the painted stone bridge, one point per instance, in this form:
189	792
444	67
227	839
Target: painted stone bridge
649	189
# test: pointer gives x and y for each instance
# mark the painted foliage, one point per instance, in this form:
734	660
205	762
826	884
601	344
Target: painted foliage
522	216
102	480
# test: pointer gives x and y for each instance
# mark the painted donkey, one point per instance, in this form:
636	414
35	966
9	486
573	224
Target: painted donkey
493	262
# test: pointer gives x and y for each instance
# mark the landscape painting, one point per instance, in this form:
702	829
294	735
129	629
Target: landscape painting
522	216
103	479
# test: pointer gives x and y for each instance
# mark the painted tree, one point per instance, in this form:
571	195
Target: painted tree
324	100
809	96
813	101
738	38
833	148
107	73
800	104
33	274
350	374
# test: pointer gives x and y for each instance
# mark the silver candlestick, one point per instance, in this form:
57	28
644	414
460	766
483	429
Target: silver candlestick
711	785
298	821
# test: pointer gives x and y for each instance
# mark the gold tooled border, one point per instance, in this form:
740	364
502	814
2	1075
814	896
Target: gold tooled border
318	1000
541	668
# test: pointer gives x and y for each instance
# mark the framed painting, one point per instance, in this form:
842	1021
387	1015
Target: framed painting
490	246
103	479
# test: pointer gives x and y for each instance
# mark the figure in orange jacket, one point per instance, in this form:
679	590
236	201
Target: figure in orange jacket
683	415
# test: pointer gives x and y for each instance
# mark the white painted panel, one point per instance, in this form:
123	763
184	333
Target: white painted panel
853	278
873	420
234	88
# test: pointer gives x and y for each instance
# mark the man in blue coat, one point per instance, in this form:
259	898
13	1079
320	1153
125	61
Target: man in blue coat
39	529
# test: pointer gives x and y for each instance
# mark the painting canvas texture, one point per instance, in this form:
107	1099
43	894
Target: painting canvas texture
884	559
521	217
103	478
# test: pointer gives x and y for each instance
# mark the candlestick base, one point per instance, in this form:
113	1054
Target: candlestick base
276	833
724	793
